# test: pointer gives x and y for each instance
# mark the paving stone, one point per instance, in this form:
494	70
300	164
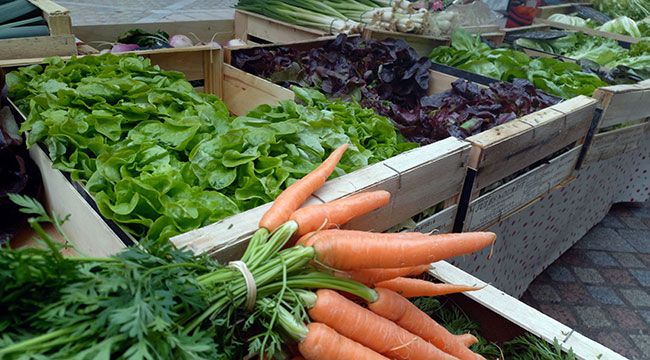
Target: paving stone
544	293
604	295
574	257
636	297
645	258
606	239
643	343
612	221
560	274
593	316
560	312
618	342
626	318
643	276
588	275
616	277
575	294
601	258
639	239
634	222
629	260
645	314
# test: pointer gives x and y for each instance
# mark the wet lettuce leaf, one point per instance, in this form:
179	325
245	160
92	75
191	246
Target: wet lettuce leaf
161	159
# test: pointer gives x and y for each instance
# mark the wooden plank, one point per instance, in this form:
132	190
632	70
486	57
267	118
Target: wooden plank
243	92
523	315
57	17
442	222
227	239
439	82
615	143
427	176
423	44
272	30
86	229
213	72
505	149
241	25
37	47
623	103
516	194
221	30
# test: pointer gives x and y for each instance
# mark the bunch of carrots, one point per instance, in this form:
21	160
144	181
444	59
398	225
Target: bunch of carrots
337	294
387	325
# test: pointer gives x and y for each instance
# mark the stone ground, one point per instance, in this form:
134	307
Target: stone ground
89	12
601	287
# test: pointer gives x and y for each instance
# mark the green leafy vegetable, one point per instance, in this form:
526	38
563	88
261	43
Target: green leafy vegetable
161	159
563	79
636	9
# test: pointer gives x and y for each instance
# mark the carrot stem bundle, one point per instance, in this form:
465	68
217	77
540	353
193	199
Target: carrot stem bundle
396	308
410	288
296	194
370	329
353	250
338	212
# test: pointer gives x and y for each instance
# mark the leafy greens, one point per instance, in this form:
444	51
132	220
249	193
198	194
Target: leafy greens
161	159
469	53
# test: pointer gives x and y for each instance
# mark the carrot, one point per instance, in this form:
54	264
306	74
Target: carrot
353	250
324	343
410	288
338	212
398	309
296	194
373	276
308	239
369	329
467	339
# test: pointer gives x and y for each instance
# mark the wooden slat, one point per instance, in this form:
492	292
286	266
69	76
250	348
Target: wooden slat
37	47
518	193
242	92
250	24
222	30
505	149
86	229
623	103
442	222
615	143
57	17
524	316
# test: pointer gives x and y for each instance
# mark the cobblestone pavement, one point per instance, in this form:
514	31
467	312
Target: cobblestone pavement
90	12
601	286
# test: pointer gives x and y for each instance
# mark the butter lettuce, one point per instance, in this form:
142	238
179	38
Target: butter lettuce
161	159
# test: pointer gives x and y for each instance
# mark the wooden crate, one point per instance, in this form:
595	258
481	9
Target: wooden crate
509	148
255	27
620	104
206	30
59	42
89	232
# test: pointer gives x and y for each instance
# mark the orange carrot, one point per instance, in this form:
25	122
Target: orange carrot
369	329
338	212
410	288
308	239
373	276
353	250
398	309
324	343
296	194
467	339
